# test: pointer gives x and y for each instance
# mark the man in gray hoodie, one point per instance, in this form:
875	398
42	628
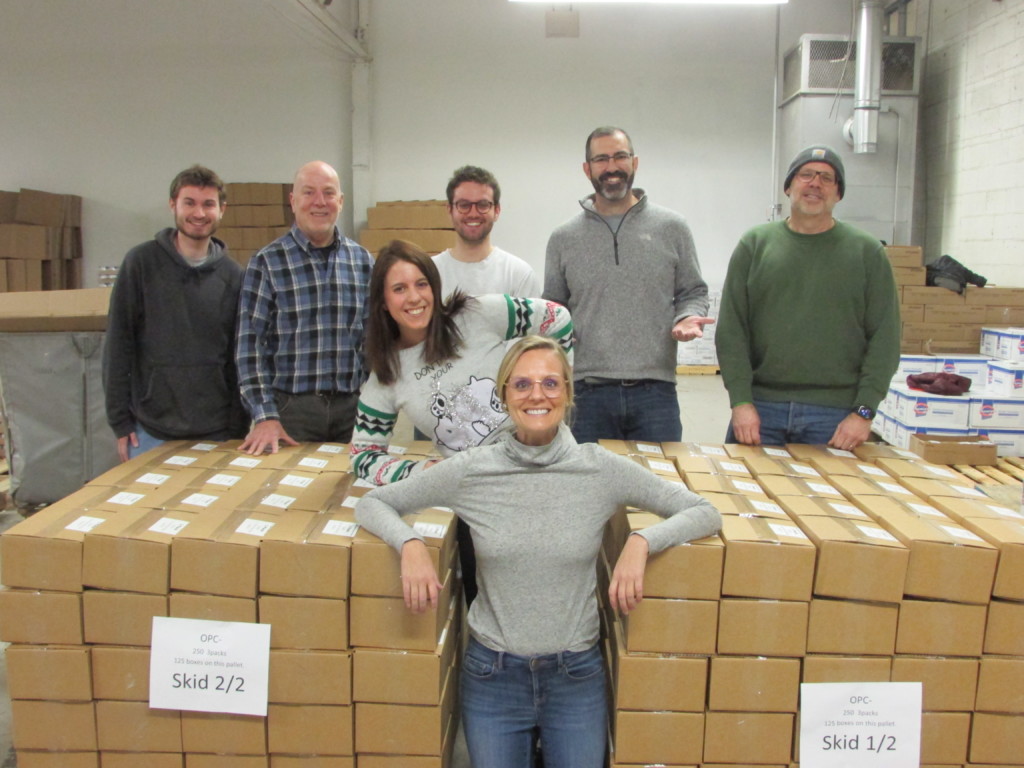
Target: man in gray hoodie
168	360
627	270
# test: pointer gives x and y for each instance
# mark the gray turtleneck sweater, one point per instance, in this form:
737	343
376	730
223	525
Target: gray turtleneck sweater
537	516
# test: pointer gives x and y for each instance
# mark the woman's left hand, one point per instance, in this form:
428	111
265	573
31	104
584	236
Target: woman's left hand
627	587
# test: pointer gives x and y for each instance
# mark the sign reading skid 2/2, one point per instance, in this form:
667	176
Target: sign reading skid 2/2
209	666
849	725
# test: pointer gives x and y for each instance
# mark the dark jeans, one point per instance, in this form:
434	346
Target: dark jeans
783	423
644	409
314	417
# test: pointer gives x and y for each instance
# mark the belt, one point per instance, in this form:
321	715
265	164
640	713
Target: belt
327	394
598	381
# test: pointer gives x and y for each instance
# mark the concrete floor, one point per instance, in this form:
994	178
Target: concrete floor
705	416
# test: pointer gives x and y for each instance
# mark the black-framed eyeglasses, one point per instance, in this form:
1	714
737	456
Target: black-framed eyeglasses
806	175
465	206
618	157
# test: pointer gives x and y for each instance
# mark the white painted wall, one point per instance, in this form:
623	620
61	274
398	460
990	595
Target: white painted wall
110	98
973	134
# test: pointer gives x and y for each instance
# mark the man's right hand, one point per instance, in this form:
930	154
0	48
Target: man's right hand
746	424
264	436
122	445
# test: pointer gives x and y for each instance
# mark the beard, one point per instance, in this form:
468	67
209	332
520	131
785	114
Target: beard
613	185
196	231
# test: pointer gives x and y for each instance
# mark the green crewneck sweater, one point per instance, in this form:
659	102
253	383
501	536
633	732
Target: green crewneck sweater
808	318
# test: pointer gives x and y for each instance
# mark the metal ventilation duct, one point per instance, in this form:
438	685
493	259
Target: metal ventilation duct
868	86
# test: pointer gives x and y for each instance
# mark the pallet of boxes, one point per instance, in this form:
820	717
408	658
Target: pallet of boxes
257	213
978	334
40	241
829	568
424	223
200	531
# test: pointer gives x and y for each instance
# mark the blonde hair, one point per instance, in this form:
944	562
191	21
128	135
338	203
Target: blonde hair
530	344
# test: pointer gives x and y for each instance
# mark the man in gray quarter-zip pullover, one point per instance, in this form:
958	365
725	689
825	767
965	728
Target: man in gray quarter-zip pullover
627	270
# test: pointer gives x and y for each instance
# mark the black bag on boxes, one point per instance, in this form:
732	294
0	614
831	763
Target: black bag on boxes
947	272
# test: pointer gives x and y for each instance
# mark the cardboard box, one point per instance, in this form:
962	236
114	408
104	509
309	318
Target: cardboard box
53	725
77	310
692	570
1004	633
949	684
376	567
131	726
779	486
1000	685
938	628
702	484
994	296
55	673
635	448
913	294
905	255
421	214
754	684
312	562
661	625
899	468
665	738
749	627
428	240
306	729
935	490
944	737
997	739
748	737
121	618
852	627
401	729
188	605
221	733
909	275
310	677
990	412
712	465
1008	536
743	506
223	761
8	206
920	409
766	558
40	618
316	623
1005	379
34	759
385	622
799	506
120	673
48	208
846	669
655	682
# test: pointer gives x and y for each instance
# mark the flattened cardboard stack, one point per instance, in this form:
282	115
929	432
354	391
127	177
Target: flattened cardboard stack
193	531
40	241
832	568
425	223
256	214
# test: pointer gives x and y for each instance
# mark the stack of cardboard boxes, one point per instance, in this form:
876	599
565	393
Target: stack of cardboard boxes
40	241
425	223
256	214
831	568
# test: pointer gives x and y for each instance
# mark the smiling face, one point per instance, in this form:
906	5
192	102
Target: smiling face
536	396
409	300
813	198
611	176
316	202
197	211
473	226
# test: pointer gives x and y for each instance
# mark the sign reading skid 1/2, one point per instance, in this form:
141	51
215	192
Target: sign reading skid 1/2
849	725
209	666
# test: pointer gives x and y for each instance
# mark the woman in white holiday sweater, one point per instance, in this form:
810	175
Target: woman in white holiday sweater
536	502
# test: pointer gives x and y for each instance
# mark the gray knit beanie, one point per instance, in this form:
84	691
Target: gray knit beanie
818	153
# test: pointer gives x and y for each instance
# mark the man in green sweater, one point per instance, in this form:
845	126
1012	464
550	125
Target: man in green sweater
809	329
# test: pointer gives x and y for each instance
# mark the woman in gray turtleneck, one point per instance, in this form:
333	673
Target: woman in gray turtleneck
536	503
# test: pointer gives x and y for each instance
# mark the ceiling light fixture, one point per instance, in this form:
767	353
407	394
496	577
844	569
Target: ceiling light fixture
659	2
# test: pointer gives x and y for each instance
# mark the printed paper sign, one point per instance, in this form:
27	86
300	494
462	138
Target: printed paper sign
209	666
849	725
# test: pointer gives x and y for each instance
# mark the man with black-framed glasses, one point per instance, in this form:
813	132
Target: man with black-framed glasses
473	264
627	270
809	329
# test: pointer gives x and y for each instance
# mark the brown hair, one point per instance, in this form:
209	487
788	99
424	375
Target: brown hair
476	174
530	344
199	176
382	332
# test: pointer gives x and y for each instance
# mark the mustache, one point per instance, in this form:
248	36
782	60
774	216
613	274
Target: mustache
612	175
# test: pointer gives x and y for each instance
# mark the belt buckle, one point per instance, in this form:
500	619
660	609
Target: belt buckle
630	382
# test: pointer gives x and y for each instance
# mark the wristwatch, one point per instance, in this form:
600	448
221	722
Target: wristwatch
864	412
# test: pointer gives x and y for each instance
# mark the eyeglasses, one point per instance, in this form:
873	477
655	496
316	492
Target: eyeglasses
807	175
551	386
465	206
618	157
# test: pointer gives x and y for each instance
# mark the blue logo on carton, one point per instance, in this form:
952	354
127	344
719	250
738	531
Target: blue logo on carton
948	366
921	408
987	409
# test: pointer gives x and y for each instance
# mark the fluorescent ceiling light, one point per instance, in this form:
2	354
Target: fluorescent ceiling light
658	2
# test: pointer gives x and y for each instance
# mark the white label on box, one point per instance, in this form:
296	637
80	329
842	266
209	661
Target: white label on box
1005	511
204	446
209	666
430	530
925	509
766	506
350	501
297	481
941	472
361	483
733	466
876	533
663	466
649	448
226	480
712	450
840	452
445	509
893	488
846	509
749	487
963	489
782	453
311	462
329	448
181	461
867	469
247	462
200	499
85	523
152	478
905	454
828	490
253	527
399	449
341	528
855	725
803	469
961	533
790	531
278	500
126	499
168	525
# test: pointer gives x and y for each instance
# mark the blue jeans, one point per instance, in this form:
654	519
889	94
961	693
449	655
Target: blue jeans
783	423
146	442
505	696
646	410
